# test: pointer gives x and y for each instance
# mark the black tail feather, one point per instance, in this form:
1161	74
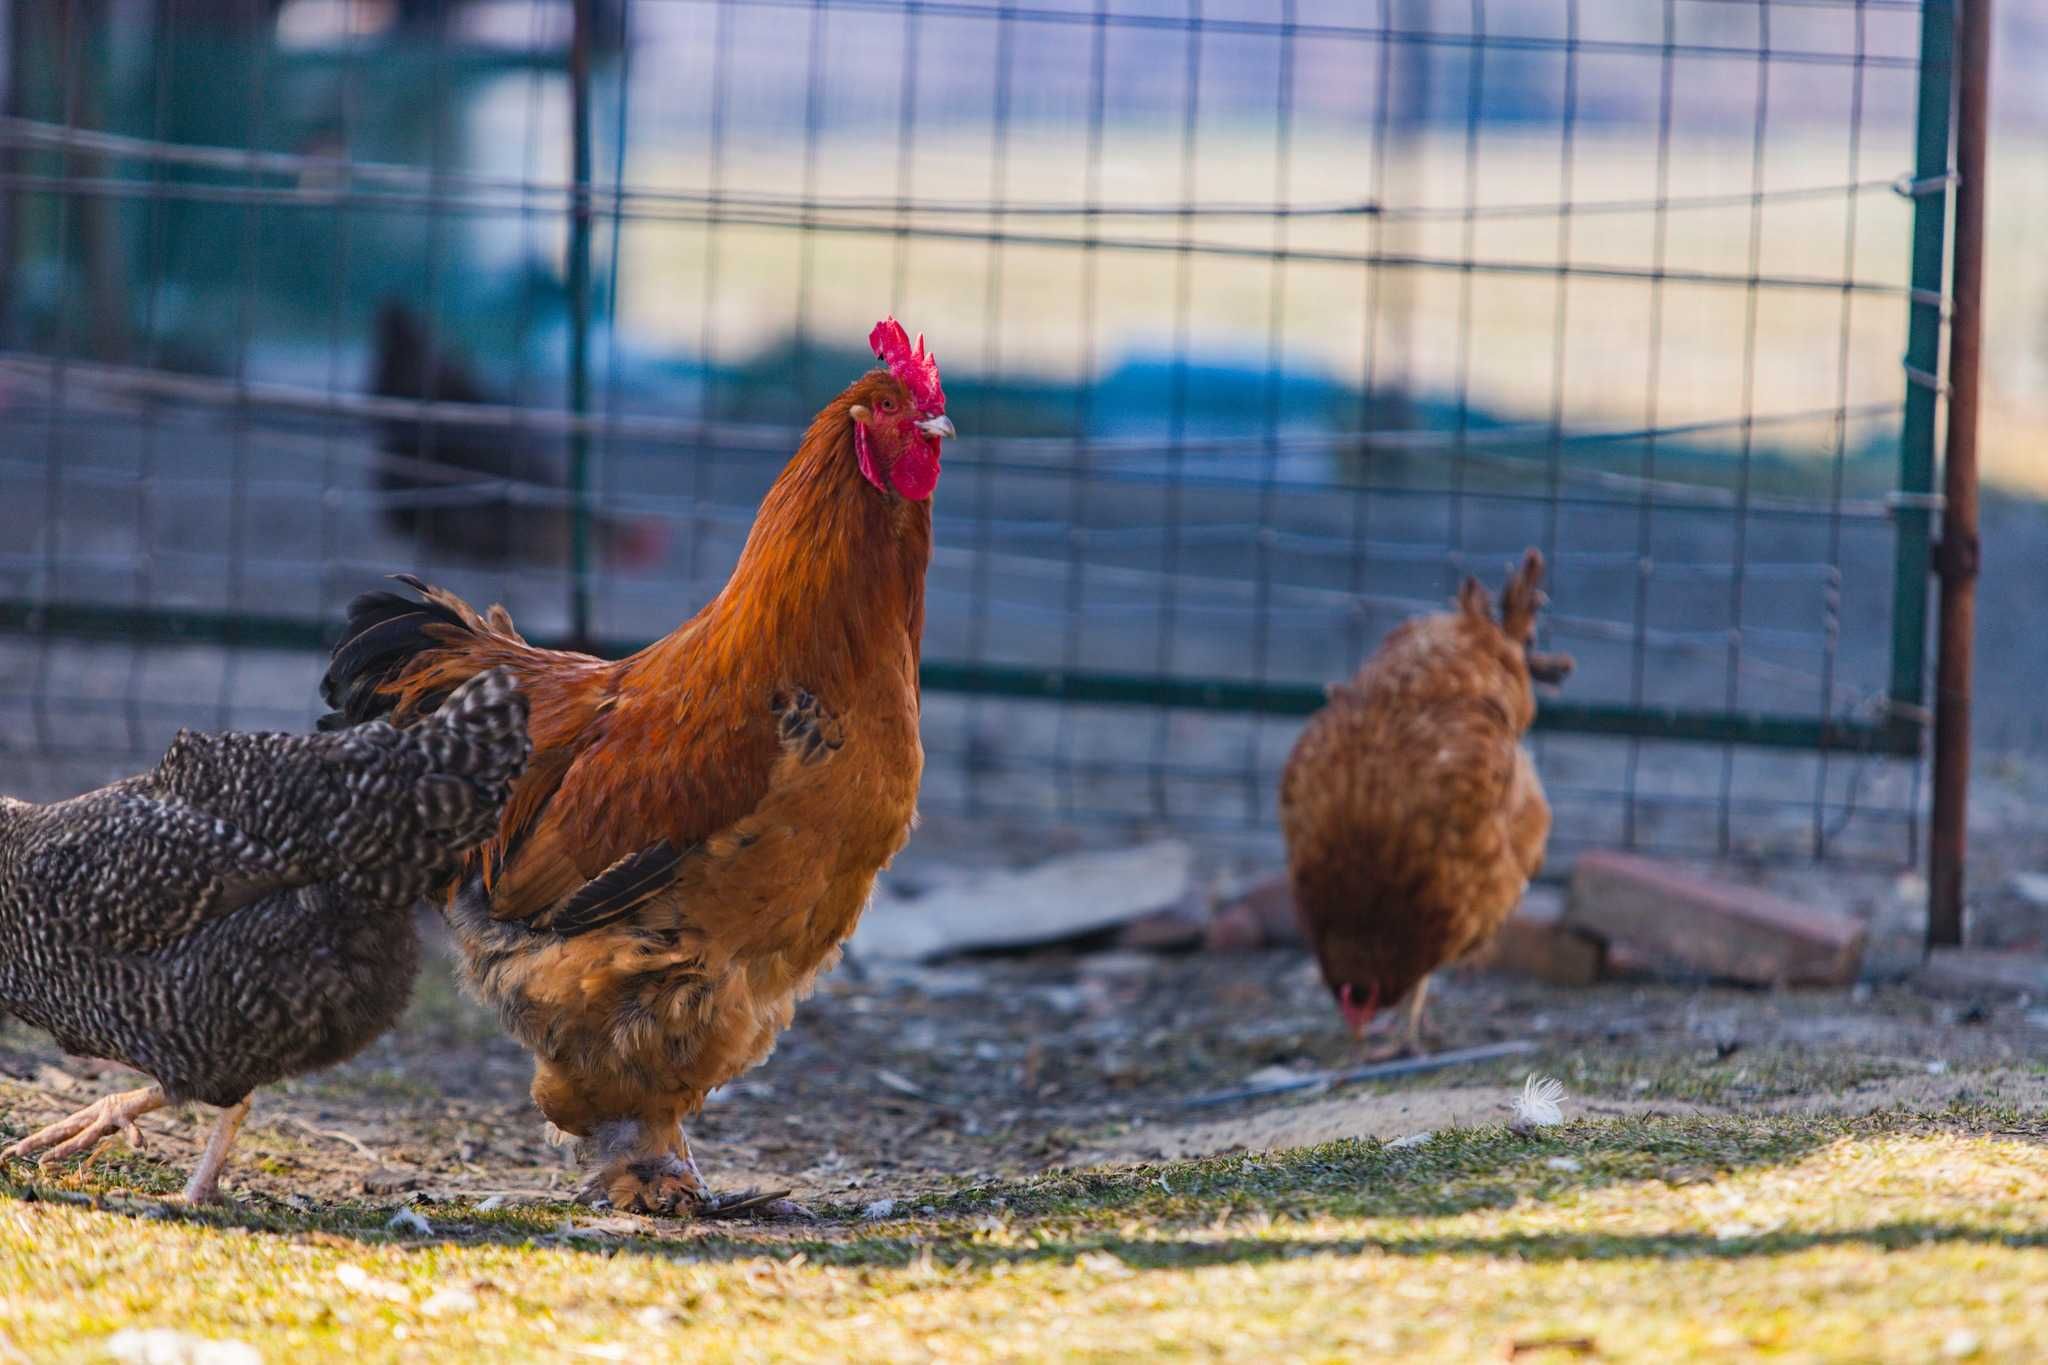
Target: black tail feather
617	892
385	632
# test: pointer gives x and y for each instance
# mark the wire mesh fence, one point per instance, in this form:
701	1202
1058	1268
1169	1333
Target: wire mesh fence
1263	325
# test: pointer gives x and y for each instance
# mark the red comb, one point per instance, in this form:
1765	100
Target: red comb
916	367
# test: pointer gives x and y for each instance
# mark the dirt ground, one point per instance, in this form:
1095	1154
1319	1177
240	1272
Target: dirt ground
898	1081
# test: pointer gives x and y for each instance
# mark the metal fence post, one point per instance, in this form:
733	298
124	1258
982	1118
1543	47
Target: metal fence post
579	328
1923	359
1957	559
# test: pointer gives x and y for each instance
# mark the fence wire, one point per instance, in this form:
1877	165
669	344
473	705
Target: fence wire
1263	325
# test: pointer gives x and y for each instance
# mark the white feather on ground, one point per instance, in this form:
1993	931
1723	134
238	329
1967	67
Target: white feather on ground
1540	1104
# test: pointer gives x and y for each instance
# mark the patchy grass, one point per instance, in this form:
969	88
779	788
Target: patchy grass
1702	1207
1891	1236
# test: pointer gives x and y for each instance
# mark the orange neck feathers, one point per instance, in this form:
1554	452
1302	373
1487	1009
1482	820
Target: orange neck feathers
833	571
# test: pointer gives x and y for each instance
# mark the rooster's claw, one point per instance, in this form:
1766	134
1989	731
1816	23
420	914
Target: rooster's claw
742	1202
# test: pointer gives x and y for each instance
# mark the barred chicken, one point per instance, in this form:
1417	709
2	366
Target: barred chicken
244	912
1414	817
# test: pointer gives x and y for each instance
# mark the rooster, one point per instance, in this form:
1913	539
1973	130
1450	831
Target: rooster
1413	815
428	473
244	912
702	822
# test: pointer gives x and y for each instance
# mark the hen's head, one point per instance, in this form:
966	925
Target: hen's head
1362	981
899	415
1358	1007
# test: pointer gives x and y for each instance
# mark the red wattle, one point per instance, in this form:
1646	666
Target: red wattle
916	472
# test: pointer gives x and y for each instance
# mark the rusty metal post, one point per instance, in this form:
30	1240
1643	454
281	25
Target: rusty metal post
1957	559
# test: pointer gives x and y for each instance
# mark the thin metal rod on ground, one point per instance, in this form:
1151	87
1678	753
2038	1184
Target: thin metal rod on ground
1330	1080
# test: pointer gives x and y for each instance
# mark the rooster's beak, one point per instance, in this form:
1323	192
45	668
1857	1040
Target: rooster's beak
941	425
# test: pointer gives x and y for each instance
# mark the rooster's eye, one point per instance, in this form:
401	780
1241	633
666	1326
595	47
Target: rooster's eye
888	405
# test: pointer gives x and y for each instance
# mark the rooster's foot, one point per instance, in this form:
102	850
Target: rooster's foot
664	1184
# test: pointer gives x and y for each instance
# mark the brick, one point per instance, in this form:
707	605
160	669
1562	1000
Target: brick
1984	971
1536	942
1736	933
1260	915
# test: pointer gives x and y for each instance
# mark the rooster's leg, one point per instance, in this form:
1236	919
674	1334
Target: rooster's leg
205	1181
86	1128
646	1167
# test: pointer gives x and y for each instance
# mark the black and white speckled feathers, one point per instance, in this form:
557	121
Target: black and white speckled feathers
244	912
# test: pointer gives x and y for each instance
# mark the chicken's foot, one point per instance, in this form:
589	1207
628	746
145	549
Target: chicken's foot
1409	1043
89	1126
649	1168
645	1170
204	1185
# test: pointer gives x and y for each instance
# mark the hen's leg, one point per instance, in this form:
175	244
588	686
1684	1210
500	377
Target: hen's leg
1408	1042
86	1128
1415	1005
205	1182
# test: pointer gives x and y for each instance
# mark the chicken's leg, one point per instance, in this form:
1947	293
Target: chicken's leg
205	1182
1414	1028
86	1128
1409	1043
646	1167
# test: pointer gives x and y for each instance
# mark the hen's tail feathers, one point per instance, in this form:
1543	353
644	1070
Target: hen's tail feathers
1474	600
476	742
386	635
1522	598
387	814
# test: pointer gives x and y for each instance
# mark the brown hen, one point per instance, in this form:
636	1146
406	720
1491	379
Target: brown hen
1413	815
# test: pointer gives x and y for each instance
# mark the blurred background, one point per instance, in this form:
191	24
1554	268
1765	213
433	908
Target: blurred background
1263	323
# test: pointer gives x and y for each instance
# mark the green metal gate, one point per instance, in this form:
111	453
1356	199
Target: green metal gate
1150	559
